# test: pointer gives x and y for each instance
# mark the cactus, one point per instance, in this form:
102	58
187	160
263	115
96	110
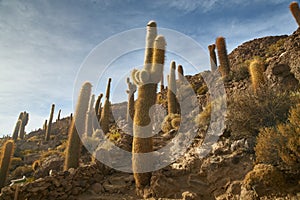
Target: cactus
162	86
90	115
256	70
180	73
130	105
172	102
105	114
213	57
77	127
98	106
58	116
7	153
146	80
25	118
48	130
223	57
45	125
294	8
16	130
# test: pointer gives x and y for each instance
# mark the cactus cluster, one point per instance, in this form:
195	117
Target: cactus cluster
256	70
130	105
224	67
171	122
295	10
77	127
105	114
48	129
146	80
7	153
213	57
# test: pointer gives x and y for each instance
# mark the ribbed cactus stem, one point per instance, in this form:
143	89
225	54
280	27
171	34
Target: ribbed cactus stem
58	116
45	125
104	120
48	130
25	118
256	70
180	73
295	10
77	127
213	57
223	57
16	130
146	99
7	153
90	115
172	108
130	105
98	106
162	85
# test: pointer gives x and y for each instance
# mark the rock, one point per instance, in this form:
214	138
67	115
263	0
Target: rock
189	196
97	188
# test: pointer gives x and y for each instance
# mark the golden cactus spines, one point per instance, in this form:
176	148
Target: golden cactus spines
172	103
77	128
256	70
146	99
104	120
213	57
295	10
7	153
223	57
48	130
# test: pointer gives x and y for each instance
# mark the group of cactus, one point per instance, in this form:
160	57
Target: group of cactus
85	122
19	131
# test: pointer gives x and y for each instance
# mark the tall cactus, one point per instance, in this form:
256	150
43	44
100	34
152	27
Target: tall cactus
213	57
172	103
105	114
146	80
25	118
162	85
16	130
90	115
256	70
98	106
180	73
223	57
58	116
77	127
48	130
130	105
45	125
295	10
7	153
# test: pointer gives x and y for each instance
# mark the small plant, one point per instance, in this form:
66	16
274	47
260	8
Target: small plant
36	165
171	122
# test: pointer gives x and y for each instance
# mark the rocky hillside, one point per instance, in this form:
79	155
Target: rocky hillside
222	174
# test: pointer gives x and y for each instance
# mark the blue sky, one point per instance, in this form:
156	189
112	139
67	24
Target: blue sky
43	43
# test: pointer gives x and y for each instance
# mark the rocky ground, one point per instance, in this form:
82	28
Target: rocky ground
218	175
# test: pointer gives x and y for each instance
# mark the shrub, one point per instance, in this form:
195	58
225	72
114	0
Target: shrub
167	124
248	111
280	145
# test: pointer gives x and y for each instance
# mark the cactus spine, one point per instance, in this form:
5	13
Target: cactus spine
295	10
25	118
48	130
104	120
77	127
16	130
130	105
172	103
153	67
256	70
7	153
213	57
90	117
223	57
